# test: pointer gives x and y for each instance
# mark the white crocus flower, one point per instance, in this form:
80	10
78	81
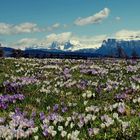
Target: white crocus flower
63	133
115	115
93	94
96	131
102	125
72	125
135	100
84	95
139	100
89	116
115	105
125	125
51	127
60	128
93	117
68	118
85	102
89	95
36	137
55	122
66	123
53	133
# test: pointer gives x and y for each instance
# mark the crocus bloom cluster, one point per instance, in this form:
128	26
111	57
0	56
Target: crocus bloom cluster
19	126
5	100
19	82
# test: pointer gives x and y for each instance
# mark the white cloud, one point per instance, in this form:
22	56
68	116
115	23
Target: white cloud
25	42
128	34
118	18
54	26
5	28
46	41
84	41
65	25
26	28
9	29
59	37
81	41
89	41
96	18
3	43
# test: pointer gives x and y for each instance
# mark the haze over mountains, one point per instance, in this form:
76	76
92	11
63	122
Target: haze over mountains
69	45
108	47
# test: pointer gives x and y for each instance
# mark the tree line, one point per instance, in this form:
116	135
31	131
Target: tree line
15	52
120	53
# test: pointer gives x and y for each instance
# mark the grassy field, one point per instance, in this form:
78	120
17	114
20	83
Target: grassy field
69	99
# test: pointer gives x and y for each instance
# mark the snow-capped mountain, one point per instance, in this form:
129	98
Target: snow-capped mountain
70	45
109	47
61	46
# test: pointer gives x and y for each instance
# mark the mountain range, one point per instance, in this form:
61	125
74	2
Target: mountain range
108	47
68	46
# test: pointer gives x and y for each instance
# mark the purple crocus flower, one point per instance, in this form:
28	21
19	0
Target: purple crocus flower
42	116
90	131
33	114
17	111
52	116
121	109
55	107
3	105
64	109
121	96
6	99
2	120
45	132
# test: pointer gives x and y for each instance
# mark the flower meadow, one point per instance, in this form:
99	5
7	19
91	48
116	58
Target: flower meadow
64	99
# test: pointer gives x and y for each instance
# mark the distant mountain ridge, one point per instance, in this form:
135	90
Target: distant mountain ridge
7	51
109	47
68	46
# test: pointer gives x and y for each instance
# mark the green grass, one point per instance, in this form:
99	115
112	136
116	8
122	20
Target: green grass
37	101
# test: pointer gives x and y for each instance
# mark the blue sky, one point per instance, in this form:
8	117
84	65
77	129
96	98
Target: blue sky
34	20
